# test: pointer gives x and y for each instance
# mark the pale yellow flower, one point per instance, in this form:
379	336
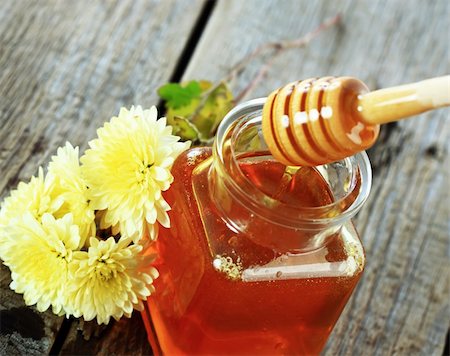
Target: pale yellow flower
128	167
109	280
36	197
69	184
38	255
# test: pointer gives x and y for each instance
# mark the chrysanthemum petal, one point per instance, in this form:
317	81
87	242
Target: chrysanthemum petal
64	169
128	166
36	197
116	281
39	255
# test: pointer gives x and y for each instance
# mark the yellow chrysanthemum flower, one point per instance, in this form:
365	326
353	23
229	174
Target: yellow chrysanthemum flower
68	183
108	280
128	167
38	255
36	197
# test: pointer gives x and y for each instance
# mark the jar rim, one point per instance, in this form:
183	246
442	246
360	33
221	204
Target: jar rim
308	215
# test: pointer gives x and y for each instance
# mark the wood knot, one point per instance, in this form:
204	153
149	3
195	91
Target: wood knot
435	151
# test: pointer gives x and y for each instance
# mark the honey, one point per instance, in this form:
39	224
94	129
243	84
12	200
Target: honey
235	276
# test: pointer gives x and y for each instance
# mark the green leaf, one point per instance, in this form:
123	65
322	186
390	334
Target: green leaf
179	95
203	112
184	128
219	102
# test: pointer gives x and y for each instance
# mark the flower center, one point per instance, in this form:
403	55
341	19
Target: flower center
104	270
144	177
62	252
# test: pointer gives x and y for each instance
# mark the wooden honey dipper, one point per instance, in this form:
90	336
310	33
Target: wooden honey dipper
317	121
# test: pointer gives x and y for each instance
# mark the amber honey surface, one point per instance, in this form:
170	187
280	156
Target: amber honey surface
220	292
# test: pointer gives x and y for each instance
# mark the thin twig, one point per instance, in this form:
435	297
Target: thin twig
304	40
258	78
282	45
278	48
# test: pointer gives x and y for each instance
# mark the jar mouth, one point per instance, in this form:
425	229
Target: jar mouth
350	178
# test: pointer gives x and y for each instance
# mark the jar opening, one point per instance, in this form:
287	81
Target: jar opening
240	147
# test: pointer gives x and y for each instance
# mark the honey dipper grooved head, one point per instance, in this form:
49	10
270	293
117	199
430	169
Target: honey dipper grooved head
316	121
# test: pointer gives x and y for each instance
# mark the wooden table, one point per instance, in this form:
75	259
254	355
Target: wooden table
68	66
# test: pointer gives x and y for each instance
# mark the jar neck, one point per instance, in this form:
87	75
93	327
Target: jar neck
250	206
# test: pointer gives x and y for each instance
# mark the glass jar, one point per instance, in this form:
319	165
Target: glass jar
260	258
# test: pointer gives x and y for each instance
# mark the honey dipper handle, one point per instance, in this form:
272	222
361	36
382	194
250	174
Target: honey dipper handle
396	103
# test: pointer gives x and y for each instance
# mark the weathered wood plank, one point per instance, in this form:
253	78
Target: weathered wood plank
24	330
67	66
401	305
125	337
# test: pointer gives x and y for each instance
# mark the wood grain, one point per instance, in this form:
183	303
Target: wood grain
66	67
401	305
125	337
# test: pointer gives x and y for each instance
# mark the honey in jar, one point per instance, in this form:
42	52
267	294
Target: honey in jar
260	258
